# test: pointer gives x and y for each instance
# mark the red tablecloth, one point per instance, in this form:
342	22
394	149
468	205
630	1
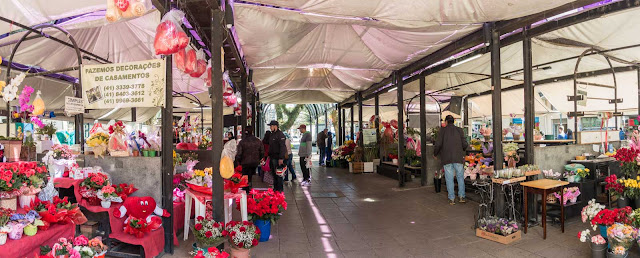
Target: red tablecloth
178	220
65	182
29	246
153	242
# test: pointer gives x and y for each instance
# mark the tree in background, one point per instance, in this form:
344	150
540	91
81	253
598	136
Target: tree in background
287	117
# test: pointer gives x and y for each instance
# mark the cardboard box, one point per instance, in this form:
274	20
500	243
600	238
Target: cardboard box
89	229
499	238
356	167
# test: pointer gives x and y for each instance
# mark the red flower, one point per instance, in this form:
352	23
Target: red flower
241	244
216	224
225	233
242	229
199	255
198	226
254	242
208	234
200	218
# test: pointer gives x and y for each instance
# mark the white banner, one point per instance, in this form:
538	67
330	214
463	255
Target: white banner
122	85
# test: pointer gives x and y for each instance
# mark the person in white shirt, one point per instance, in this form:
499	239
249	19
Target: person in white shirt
289	161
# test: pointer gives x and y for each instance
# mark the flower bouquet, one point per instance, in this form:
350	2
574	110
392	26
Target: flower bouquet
58	211
631	187
10	184
124	190
63	248
549	174
5	215
211	252
511	154
117	145
98	142
607	217
598	243
242	237
265	205
236	182
208	232
199	180
628	161
486	133
621	237
569	194
107	195
90	186
79	246
591	210
59	158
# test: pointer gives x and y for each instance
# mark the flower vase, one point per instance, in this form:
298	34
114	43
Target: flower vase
612	255
105	204
25	200
516	137
30	230
237	252
623	202
145	153
511	162
437	182
598	251
152	153
265	229
603	230
135	153
3	238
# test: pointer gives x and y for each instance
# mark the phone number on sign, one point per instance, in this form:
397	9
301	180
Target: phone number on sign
123	100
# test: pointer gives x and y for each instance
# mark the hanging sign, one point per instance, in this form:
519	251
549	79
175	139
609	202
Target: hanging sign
122	85
73	106
369	136
582	102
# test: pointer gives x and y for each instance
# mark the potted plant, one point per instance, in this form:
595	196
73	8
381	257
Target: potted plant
12	148
264	208
211	252
486	133
208	233
581	173
627	158
631	189
242	237
5	215
90	186
511	154
49	130
621	238
58	159
598	243
107	195
608	217
616	189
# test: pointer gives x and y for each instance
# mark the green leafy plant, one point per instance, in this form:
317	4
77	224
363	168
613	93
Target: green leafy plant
370	153
48	129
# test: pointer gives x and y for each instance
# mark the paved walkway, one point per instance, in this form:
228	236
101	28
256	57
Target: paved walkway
366	215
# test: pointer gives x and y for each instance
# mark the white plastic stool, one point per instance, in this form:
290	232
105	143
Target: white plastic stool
201	207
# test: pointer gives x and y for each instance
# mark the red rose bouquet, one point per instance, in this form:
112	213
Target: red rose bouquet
265	205
609	217
58	211
90	186
137	227
124	190
242	234
614	187
208	232
212	252
628	158
236	182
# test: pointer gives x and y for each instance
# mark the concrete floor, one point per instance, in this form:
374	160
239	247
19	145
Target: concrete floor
371	217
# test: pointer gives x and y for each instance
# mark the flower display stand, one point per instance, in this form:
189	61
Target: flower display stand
499	238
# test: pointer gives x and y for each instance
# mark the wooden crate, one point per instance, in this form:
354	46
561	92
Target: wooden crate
357	167
532	173
504	181
499	238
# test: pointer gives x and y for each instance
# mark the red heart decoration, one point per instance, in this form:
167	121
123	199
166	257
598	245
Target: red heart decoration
230	100
181	40
190	62
180	58
201	67
165	35
140	207
123	5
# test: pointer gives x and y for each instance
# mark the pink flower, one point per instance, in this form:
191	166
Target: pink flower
81	240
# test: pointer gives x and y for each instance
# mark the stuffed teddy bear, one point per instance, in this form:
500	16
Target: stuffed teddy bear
141	212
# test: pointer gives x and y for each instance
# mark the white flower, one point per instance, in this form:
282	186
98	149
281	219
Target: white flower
584	235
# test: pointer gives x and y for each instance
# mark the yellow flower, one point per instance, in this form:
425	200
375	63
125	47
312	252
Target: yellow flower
587	170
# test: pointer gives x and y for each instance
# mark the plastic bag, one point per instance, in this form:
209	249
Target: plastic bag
169	37
201	67
180	58
207	78
190	61
38	105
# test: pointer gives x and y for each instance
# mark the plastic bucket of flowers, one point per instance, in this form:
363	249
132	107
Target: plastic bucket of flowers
621	238
208	233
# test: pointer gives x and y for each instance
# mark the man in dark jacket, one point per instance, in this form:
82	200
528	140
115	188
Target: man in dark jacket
249	153
277	152
322	145
451	147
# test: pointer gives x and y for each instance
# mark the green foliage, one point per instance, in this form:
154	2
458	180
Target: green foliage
370	153
291	115
48	129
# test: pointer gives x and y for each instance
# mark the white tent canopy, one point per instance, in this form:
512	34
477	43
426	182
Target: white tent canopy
327	50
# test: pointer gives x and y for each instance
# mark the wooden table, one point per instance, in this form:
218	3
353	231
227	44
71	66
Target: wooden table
544	187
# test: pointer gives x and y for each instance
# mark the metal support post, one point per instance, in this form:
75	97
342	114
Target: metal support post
496	111
253	100
344	127
377	121
217	116
529	106
243	93
467	112
79	118
258	115
133	115
423	131
401	172
360	124
353	130
339	132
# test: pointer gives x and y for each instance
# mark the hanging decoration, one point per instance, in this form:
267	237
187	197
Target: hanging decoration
117	9
169	36
180	59
38	105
